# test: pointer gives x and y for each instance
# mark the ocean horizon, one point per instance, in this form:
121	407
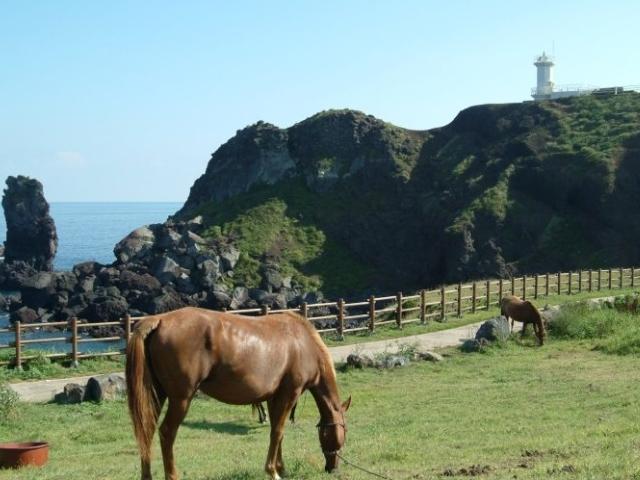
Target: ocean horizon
89	230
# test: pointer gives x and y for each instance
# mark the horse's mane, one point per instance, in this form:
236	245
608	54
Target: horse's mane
326	365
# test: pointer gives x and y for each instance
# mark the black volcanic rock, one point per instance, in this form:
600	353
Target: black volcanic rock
31	232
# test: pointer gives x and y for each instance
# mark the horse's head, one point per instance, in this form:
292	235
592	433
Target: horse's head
332	437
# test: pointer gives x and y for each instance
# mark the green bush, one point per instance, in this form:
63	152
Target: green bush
9	401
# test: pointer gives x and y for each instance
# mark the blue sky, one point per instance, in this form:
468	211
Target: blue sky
125	101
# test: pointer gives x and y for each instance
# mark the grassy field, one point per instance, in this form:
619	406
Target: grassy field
566	410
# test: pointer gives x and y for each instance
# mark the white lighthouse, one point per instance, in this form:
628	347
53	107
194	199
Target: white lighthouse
544	88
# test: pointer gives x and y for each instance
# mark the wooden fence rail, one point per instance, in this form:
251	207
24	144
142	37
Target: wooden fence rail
342	317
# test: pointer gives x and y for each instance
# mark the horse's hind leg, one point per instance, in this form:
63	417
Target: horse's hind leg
146	463
176	412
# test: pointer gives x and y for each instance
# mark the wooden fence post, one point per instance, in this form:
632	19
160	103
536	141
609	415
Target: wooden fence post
524	287
304	310
579	280
127	327
74	342
633	277
500	290
535	286
621	277
341	319
559	283
423	301
590	281
442	303
546	285
513	285
488	294
18	345
399	310
570	281
599	279
610	279
264	309
459	300
473	297
372	313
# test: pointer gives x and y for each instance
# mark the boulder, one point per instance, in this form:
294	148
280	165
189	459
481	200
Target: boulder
494	329
86	284
392	361
106	309
218	300
271	279
550	313
358	360
3	303
37	290
239	297
66	281
133	281
135	245
208	272
229	257
72	393
167	301
31	232
185	285
13	275
24	315
473	345
430	356
166	237
85	269
105	387
108	276
165	269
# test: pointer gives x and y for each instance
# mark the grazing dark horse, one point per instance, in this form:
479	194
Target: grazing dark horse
523	311
236	360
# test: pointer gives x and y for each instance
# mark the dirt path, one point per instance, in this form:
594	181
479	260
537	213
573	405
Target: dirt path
44	390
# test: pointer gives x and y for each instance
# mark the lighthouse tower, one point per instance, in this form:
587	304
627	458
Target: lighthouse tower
544	88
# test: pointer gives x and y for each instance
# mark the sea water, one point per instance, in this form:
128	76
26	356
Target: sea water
89	231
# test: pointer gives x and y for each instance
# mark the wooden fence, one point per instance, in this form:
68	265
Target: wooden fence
342	317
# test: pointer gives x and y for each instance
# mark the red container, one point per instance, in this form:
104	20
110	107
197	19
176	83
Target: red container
15	455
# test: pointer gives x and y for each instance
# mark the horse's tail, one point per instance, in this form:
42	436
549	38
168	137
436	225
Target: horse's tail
537	319
141	394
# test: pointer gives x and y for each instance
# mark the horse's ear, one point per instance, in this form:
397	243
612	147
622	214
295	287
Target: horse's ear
346	404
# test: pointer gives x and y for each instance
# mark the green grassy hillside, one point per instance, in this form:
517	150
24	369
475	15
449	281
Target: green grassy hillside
347	203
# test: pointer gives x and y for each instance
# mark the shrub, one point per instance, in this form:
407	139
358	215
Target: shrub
9	401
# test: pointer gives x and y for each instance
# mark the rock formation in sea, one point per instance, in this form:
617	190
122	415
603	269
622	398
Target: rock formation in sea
31	232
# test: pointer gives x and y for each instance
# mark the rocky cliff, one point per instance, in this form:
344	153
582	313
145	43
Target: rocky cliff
348	203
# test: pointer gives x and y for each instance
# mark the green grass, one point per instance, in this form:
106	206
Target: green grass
525	412
43	368
608	329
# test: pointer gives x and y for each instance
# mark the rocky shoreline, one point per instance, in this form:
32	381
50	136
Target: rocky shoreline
158	268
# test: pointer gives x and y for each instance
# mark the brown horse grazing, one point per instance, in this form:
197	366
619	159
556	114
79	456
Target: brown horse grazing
523	311
236	360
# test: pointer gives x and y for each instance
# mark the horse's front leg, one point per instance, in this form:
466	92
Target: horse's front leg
524	329
176	412
279	407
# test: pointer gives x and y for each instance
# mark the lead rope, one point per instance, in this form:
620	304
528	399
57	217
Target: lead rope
361	468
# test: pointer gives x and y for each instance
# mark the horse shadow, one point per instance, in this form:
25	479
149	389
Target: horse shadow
229	428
